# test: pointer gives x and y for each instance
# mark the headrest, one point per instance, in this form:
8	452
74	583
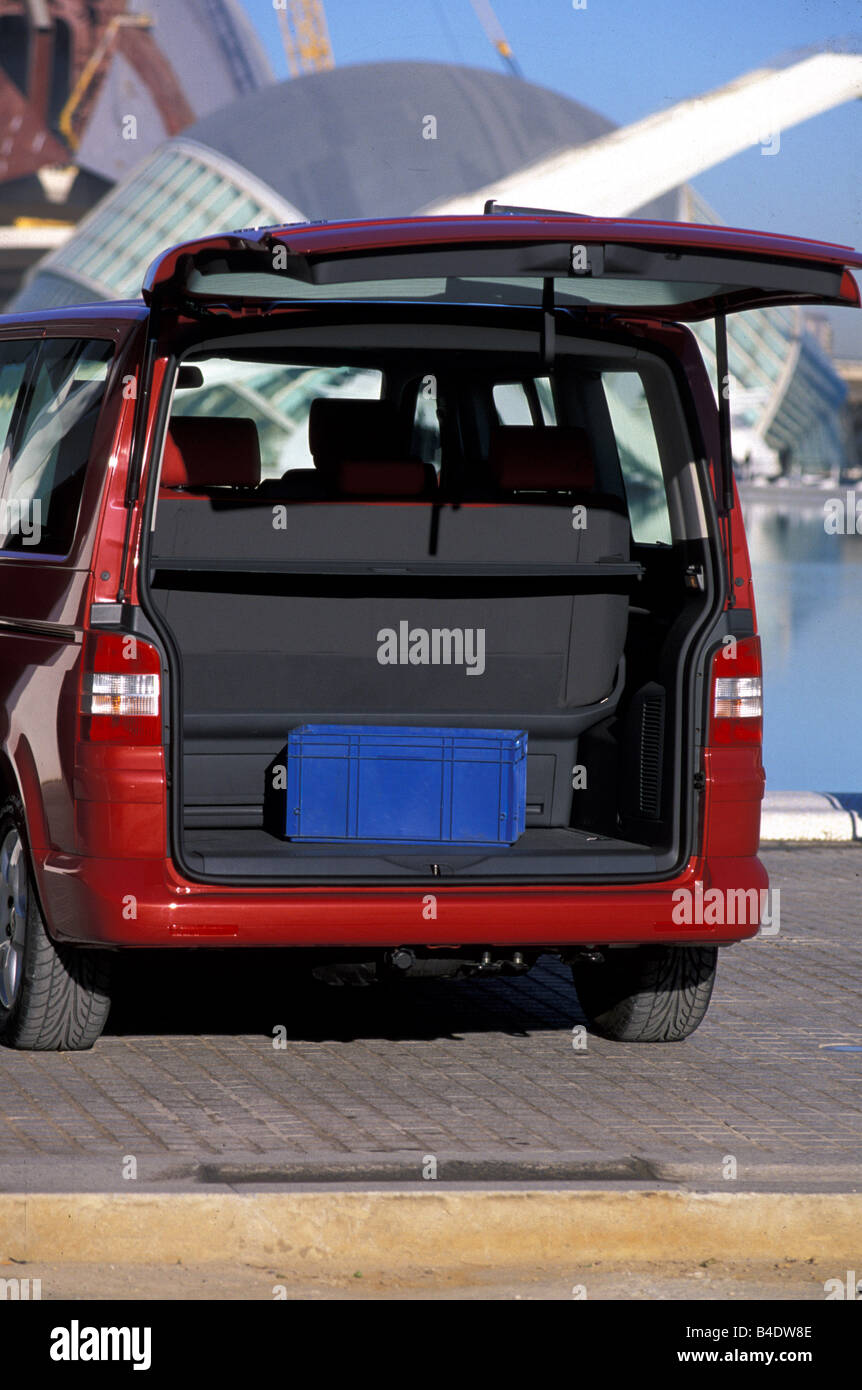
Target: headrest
299	483
385	478
541	459
353	429
211	451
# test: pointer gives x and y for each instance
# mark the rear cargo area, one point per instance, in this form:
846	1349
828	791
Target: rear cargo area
379	587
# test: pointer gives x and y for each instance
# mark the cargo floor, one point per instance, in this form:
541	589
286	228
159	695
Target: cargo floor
253	852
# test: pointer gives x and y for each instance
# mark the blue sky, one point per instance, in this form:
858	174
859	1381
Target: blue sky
628	58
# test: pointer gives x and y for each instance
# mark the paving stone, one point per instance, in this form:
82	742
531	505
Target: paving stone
187	1070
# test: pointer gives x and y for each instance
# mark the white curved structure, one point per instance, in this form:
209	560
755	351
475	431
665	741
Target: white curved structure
616	173
235	169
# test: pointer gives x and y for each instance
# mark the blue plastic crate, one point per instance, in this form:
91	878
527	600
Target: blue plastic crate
387	785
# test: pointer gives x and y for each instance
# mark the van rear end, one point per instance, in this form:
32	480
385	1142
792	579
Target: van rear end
415	519
556	577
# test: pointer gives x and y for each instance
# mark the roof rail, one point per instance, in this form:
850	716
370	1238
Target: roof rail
494	209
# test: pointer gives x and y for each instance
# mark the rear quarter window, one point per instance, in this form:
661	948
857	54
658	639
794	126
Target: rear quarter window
14	358
46	454
529	402
640	460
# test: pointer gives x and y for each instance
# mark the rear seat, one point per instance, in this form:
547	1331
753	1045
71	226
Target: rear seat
554	463
256	662
556	458
340	429
359	450
384	478
204	451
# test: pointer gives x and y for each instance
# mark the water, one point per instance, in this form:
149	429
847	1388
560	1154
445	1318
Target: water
808	591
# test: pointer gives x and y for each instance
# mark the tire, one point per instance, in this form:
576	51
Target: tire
648	994
52	997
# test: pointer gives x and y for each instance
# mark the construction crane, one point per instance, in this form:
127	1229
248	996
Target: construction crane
305	35
491	24
74	113
308	47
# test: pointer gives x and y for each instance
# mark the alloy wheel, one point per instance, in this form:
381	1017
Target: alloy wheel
13	916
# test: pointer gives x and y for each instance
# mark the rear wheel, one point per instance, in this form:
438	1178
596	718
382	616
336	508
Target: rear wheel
52	997
648	994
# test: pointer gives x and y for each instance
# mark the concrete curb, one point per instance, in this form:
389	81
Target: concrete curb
318	1232
811	817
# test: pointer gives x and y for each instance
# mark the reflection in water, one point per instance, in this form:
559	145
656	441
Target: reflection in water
808	590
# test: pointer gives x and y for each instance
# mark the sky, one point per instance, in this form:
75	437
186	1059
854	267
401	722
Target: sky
629	58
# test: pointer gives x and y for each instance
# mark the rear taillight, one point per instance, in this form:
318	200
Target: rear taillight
737	693
120	690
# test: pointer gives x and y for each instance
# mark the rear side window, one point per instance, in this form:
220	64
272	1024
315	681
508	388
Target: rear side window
425	442
545	394
528	402
47	457
14	357
639	456
512	403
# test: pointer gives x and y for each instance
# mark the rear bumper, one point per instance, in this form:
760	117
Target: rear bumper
142	902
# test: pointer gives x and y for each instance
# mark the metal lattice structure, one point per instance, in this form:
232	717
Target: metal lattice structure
491	24
306	36
64	49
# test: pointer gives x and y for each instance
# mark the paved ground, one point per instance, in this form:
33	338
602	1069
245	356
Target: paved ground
672	1281
480	1075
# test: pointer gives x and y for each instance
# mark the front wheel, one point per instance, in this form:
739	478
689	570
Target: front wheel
52	997
647	994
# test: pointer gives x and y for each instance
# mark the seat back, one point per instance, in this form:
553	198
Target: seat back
359	451
555	458
341	430
204	451
394	478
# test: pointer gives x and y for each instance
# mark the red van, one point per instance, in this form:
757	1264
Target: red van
308	444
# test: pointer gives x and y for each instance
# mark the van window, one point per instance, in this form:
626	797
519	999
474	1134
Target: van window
639	456
545	393
48	456
277	397
512	403
528	402
14	357
425	440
